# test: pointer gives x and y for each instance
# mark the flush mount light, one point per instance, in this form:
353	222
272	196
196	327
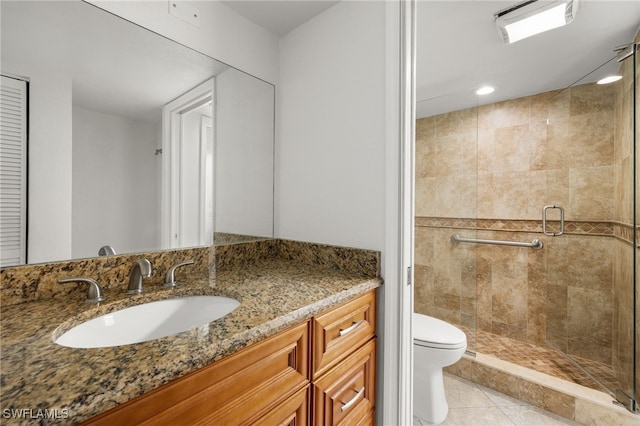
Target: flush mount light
532	17
485	90
610	79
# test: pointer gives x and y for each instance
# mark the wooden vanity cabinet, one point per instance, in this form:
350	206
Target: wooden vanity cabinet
346	394
343	363
240	389
320	372
341	330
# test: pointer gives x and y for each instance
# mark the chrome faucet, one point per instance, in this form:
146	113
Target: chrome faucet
141	269
106	251
170	278
94	293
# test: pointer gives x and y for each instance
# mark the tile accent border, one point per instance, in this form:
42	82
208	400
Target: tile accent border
624	232
621	231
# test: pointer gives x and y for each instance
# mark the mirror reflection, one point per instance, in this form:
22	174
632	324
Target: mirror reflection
132	140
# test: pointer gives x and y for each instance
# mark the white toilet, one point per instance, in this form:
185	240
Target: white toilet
436	344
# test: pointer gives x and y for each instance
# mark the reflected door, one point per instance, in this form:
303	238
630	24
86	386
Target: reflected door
187	173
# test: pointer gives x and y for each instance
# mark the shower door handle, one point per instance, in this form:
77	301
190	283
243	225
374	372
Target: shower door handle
544	220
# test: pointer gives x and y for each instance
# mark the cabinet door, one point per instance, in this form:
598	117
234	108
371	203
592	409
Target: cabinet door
292	412
337	332
346	394
236	390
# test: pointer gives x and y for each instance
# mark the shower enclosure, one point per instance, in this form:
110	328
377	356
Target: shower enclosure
526	226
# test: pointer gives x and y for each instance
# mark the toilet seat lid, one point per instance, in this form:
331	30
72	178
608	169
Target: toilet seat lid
430	331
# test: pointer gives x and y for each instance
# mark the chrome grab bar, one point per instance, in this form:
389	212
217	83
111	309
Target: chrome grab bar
544	220
535	244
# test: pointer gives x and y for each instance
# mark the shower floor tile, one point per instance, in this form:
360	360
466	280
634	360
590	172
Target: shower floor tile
543	359
474	404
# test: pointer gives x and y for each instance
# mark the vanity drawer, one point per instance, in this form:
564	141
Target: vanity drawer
337	332
235	390
346	394
293	412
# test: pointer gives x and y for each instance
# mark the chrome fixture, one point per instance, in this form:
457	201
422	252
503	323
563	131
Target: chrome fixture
106	251
170	279
349	329
626	401
346	405
141	269
531	17
535	244
624	51
544	221
94	292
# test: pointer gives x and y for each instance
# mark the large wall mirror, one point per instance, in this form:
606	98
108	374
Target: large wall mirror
134	141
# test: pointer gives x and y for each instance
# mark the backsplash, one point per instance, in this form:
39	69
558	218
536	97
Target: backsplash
28	283
365	262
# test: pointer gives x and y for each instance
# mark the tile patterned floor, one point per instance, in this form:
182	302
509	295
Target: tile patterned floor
471	404
544	360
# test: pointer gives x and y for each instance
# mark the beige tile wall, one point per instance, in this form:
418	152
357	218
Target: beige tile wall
502	162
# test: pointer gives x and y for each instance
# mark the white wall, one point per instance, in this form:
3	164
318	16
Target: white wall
49	162
330	165
49	235
338	161
115	189
223	34
244	155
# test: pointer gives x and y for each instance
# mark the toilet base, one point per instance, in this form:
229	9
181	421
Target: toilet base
436	345
429	402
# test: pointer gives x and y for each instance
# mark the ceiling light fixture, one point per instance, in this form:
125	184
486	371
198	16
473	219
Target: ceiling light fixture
609	79
485	90
532	17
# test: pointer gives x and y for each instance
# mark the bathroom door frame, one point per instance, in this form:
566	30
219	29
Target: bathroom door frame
396	372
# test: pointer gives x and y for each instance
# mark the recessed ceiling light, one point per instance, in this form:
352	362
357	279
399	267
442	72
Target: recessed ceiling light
610	79
485	90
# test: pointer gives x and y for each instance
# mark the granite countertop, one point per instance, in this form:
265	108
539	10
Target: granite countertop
77	384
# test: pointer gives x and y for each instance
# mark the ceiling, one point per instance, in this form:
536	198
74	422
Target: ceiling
459	49
279	16
131	72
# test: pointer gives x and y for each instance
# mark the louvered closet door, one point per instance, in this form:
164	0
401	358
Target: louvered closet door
13	171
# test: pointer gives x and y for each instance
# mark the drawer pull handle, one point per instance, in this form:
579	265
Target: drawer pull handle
347	405
349	329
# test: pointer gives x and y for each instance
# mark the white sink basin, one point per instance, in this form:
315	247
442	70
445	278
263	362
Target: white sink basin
147	321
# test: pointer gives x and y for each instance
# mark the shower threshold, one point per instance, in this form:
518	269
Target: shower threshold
542	377
546	360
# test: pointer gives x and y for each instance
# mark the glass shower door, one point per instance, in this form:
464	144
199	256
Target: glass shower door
558	167
446	200
588	163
